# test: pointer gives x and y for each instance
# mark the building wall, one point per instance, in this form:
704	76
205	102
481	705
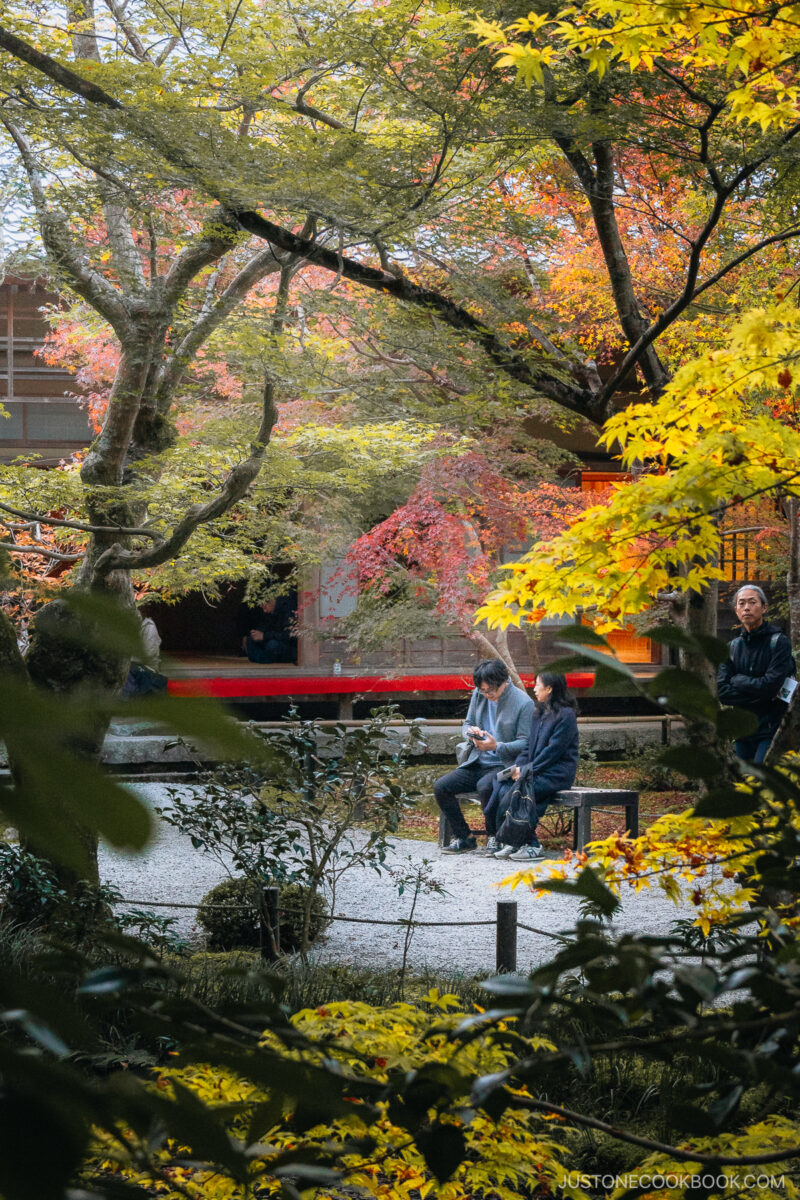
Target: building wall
43	418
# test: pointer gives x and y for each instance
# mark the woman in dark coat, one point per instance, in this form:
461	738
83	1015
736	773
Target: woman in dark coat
548	763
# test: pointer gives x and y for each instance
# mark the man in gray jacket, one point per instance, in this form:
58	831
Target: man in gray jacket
497	724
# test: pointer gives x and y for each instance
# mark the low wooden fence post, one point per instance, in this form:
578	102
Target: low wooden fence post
270	923
506	960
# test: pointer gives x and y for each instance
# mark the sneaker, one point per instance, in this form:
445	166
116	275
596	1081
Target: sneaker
506	852
460	846
526	854
492	846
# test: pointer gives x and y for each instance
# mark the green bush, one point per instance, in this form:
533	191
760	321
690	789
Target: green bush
32	897
652	775
229	915
223	978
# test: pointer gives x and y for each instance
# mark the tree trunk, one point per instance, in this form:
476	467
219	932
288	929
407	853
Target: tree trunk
700	617
11	661
505	654
601	199
499	651
63	659
793	574
787	735
598	184
64	656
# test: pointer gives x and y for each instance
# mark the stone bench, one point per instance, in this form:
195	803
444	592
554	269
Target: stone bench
581	801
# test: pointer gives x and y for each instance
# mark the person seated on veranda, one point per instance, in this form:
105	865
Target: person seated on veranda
496	725
265	631
547	765
144	677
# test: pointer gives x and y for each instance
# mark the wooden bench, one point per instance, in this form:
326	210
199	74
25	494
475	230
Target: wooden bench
581	801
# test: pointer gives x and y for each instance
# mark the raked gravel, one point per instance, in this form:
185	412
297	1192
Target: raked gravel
171	870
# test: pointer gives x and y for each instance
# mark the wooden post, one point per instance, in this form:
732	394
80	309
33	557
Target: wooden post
270	923
583	825
506	958
632	817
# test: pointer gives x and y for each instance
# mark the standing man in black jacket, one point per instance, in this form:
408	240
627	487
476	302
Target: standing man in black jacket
760	660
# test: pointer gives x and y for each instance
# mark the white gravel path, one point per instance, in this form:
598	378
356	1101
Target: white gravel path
172	870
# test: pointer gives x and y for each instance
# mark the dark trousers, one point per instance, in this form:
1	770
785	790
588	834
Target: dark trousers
272	649
473	777
753	749
497	804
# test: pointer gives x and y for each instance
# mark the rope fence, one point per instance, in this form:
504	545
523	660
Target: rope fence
505	923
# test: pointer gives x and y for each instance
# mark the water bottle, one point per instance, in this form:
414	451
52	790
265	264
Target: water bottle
337	667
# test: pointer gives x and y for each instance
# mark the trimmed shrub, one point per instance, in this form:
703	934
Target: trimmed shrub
229	915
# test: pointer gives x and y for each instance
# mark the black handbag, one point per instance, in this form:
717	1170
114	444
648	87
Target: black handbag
519	824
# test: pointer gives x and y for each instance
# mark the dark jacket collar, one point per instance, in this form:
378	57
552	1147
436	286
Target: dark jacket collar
765	629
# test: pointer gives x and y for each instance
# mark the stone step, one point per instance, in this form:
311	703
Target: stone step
135	744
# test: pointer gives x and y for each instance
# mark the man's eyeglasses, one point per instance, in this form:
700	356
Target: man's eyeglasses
488	689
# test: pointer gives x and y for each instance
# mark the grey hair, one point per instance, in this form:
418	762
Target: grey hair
751	587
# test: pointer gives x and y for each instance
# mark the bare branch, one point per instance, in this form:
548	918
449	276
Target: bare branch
134	40
230	25
715	1158
575	399
99	171
117	558
52	554
396	284
165	53
263	264
44	519
690	288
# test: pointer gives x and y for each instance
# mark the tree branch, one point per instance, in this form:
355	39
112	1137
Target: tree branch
601	201
136	44
235	486
218	236
125	253
716	1159
576	399
309	110
260	266
690	290
568	395
56	236
54	70
39	519
737	261
117	558
54	554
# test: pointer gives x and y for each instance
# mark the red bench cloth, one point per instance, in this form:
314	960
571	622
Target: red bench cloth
337	685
